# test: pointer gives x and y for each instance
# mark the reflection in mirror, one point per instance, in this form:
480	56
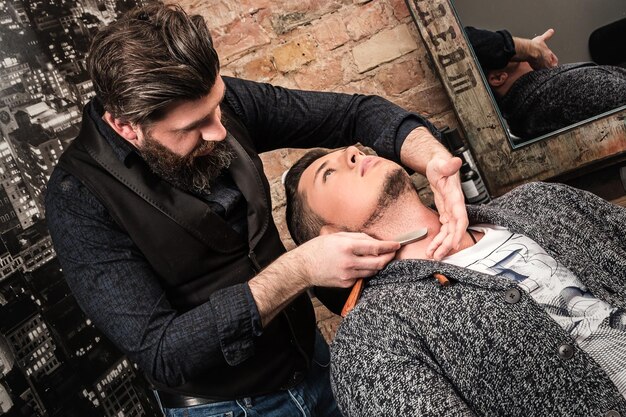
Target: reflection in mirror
536	102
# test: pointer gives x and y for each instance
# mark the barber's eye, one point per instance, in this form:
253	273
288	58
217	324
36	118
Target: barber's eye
327	173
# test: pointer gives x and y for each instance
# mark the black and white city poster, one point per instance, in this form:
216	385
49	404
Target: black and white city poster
53	360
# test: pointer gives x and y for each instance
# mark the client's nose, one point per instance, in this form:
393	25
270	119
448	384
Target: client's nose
352	152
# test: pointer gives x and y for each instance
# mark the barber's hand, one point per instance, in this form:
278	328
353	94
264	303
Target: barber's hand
443	176
541	56
339	259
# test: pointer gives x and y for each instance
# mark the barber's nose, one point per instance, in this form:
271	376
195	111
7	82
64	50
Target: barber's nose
352	154
215	131
216	134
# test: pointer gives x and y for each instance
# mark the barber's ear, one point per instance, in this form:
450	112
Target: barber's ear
125	129
497	78
328	229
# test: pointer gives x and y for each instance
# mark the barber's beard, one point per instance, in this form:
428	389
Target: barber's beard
193	172
396	184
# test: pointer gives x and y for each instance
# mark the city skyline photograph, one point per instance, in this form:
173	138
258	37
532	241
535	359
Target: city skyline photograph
53	360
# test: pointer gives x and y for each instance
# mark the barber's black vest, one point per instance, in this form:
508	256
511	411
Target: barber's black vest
194	252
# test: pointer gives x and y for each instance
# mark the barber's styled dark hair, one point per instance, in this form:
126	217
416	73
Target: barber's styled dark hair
148	59
302	223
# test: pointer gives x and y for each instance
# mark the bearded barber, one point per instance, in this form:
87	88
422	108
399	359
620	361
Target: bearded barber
161	218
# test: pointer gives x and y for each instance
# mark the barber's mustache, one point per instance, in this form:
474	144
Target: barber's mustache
204	148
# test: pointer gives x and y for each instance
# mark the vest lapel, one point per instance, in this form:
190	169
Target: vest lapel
188	211
250	183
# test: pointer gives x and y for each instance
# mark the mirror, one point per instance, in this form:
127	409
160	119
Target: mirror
580	148
574	21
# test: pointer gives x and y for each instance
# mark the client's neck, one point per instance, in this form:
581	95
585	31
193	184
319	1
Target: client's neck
407	215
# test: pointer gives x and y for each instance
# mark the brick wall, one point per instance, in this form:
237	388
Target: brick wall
352	46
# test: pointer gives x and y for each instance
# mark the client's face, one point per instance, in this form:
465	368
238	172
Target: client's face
352	190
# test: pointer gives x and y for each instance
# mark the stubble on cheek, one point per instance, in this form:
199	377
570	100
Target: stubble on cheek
396	183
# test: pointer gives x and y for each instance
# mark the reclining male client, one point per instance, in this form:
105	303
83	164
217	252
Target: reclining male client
533	323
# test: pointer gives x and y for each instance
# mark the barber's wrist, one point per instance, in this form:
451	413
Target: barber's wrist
298	261
524	50
419	148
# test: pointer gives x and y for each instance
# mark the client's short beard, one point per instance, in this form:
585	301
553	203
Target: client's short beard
396	183
193	172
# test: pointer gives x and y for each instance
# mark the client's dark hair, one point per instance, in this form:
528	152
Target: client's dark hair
302	223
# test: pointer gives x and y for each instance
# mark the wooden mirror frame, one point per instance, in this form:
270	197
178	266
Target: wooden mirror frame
583	147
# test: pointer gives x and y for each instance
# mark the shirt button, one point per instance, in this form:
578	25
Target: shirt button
566	351
612	413
512	295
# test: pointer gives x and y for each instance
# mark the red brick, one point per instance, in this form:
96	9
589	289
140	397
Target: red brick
264	18
260	69
286	22
321	75
253	6
383	47
400	10
217	13
430	101
330	32
362	86
294	54
431	76
310	6
398	77
445	119
366	20
291	14
229	71
276	162
242	36
284	80
327	322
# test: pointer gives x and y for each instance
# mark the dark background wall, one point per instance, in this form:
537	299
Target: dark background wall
573	20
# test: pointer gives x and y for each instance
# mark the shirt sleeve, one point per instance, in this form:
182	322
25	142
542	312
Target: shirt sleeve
277	117
493	50
118	290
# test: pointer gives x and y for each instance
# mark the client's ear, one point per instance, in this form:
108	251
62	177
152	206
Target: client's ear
497	78
327	229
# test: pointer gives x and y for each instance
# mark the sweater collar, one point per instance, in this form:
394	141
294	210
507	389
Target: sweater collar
414	270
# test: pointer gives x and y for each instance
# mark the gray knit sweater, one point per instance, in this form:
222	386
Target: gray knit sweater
414	348
549	99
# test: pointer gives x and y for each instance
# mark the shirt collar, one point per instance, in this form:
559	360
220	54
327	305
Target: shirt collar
122	149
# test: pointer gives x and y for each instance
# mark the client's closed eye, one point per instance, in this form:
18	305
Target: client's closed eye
327	173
